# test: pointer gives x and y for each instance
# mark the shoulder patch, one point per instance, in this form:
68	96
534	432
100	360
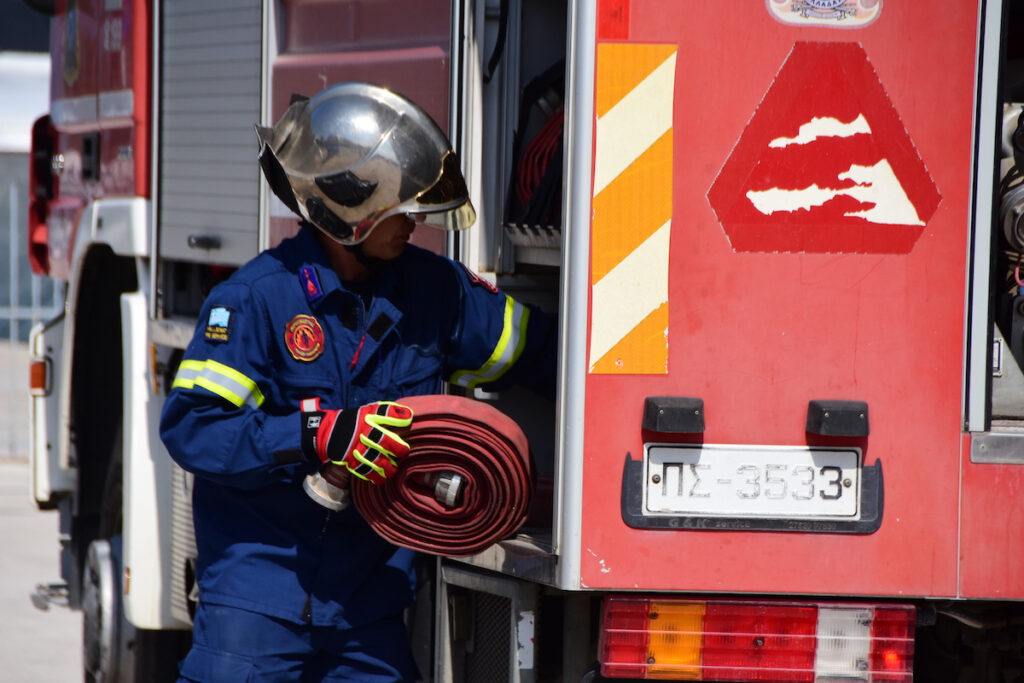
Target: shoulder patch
310	280
304	338
478	281
218	325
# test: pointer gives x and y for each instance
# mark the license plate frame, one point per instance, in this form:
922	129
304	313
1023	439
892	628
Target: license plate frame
752	481
868	519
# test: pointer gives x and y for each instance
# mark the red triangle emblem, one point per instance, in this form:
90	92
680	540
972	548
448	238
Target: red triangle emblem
825	165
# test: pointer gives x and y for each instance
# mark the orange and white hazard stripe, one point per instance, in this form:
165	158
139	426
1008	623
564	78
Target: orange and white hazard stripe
632	208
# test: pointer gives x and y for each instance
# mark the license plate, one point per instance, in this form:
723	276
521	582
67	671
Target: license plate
753	481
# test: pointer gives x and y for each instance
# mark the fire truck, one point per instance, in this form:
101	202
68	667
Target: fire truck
783	240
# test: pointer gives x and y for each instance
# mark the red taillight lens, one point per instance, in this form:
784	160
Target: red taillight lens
624	638
752	642
41	189
892	644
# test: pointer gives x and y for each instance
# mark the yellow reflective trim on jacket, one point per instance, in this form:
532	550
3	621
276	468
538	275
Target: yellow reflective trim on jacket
188	370
506	352
219	379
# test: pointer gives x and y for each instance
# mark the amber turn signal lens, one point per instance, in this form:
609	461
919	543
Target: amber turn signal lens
39	377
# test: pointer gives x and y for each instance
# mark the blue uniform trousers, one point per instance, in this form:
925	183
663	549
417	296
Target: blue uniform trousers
234	645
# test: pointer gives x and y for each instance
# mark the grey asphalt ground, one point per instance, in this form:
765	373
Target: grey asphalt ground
35	645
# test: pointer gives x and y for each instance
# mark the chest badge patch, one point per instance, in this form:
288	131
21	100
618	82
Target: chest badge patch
310	284
304	338
218	325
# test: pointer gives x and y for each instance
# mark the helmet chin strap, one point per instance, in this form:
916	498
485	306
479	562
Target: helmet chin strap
371	263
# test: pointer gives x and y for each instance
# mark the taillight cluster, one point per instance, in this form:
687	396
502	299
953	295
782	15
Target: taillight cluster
734	640
42	188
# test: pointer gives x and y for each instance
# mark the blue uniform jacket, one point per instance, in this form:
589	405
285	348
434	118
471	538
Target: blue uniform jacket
285	328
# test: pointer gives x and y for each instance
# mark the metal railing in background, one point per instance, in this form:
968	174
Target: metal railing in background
45	295
30	299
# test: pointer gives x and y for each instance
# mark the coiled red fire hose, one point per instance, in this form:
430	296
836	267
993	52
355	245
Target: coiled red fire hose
464	437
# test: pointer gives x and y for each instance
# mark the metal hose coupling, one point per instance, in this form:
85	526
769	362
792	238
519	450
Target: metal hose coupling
330	487
447	487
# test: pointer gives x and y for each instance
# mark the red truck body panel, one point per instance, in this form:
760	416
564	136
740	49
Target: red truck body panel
771	307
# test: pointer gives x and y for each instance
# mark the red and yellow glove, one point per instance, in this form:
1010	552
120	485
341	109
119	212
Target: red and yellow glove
366	441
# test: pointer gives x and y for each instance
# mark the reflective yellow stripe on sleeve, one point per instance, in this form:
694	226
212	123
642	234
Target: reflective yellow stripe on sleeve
219	379
506	352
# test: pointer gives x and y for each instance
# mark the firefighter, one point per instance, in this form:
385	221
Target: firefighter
299	359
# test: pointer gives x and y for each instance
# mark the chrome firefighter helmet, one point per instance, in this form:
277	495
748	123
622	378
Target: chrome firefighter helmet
356	154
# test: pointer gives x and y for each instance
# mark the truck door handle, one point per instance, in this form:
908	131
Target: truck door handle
206	242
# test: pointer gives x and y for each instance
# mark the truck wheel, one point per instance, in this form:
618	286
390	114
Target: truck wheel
114	651
101	619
